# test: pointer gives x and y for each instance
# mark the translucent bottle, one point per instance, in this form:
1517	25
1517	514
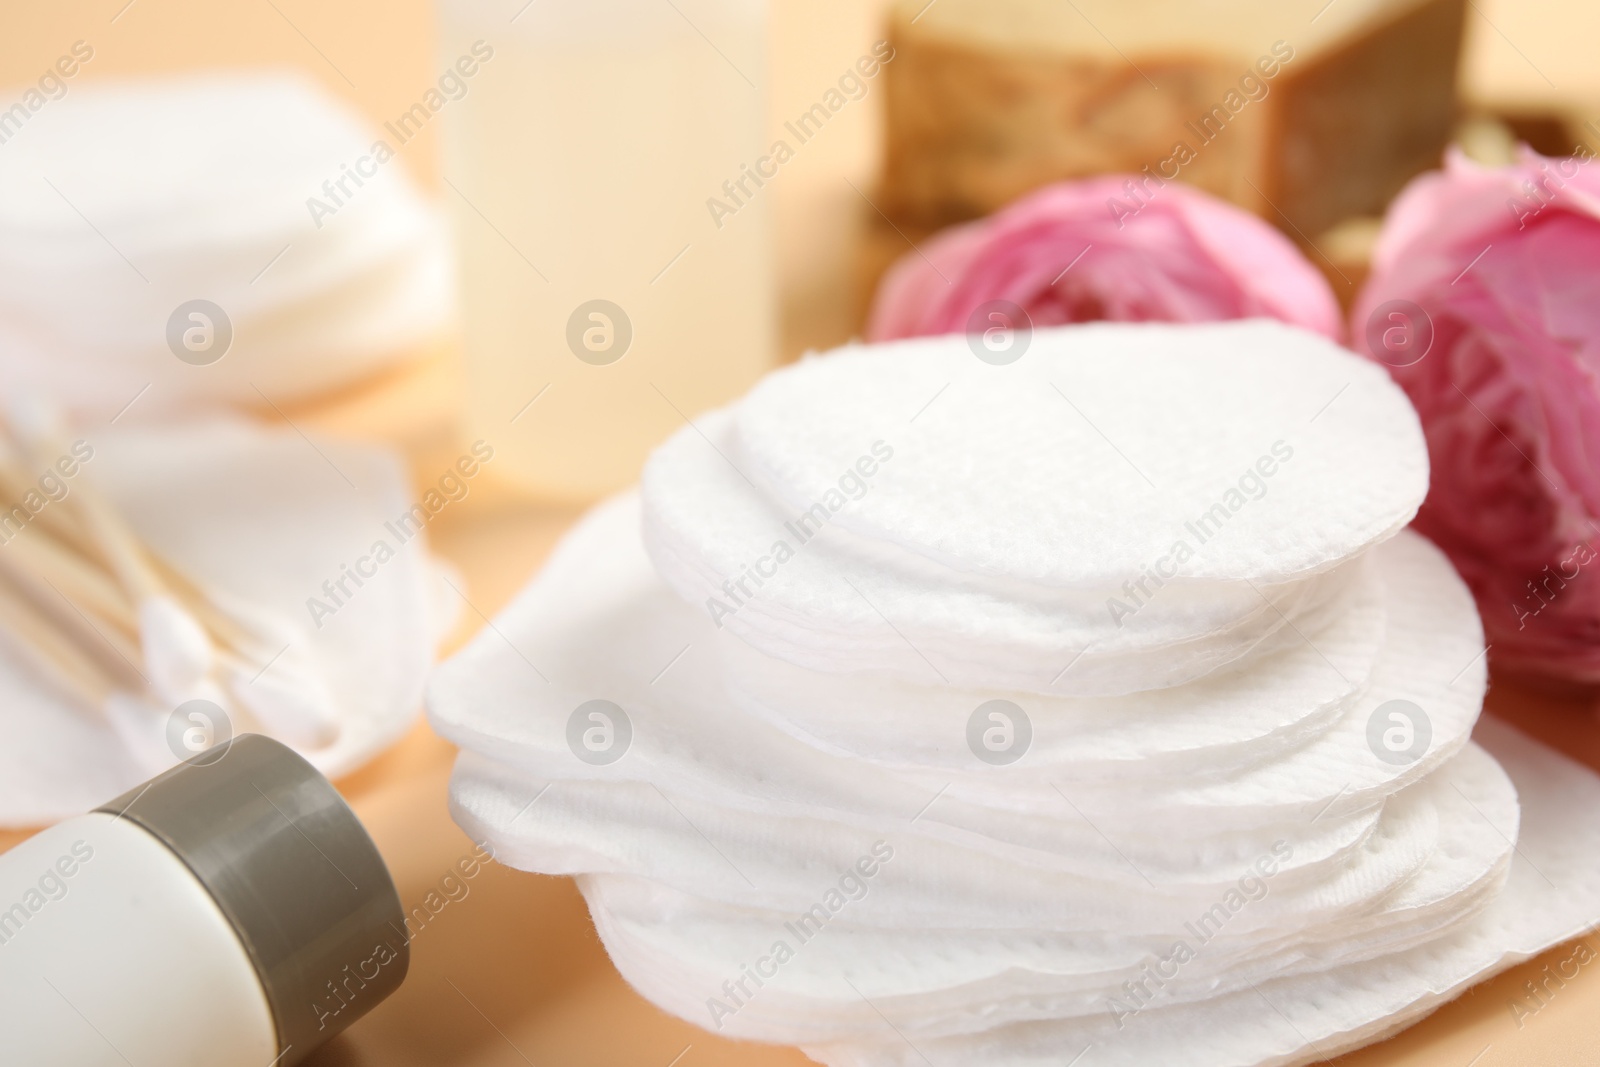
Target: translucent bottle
612	225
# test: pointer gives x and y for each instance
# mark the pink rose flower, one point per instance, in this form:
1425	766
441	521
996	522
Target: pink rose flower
1499	349
1089	250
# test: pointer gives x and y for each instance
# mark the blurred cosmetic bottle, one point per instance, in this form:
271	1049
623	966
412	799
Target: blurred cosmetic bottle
606	167
232	911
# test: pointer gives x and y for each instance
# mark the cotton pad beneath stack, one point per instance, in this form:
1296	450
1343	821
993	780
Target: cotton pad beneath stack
1248	834
1551	896
778	812
599	621
122	204
258	521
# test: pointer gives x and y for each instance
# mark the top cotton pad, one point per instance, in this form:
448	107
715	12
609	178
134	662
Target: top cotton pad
1273	457
824	599
1082	463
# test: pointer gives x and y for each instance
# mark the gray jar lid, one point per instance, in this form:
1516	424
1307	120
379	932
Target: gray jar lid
294	871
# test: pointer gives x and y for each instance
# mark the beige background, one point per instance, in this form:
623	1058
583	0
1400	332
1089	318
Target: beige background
378	53
513	974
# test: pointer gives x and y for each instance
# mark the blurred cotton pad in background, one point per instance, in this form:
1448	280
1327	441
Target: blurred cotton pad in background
217	238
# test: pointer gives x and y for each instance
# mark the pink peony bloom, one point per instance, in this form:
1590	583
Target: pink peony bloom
1484	300
1172	254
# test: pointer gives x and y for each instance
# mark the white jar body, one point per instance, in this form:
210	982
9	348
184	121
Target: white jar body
112	953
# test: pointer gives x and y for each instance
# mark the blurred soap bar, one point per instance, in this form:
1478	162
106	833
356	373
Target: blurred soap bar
1304	116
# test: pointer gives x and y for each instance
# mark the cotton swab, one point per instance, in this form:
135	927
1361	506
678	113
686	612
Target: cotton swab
140	728
255	651
187	638
177	651
57	655
263	659
77	579
43	601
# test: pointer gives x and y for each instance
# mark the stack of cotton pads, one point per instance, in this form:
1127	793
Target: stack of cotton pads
254	201
1094	708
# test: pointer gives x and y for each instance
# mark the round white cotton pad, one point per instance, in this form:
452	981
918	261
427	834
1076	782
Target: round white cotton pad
1432	660
260	518
151	195
1224	721
826	606
678	949
1274	451
597	625
1552	895
674	840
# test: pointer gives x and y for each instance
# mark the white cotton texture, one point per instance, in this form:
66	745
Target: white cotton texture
784	811
125	201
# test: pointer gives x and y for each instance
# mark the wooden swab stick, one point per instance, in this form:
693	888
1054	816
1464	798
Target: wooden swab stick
16	482
61	658
80	580
117	544
37	429
282	708
78	556
224	626
243	646
86	582
86	552
177	650
109	643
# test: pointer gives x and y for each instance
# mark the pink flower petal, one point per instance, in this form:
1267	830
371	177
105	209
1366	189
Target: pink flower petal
1103	249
